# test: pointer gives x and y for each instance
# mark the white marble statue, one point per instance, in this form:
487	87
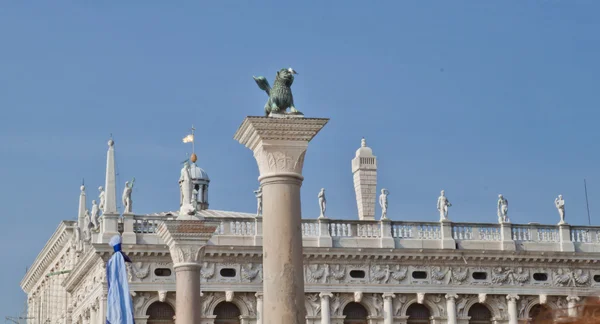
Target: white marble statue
102	198
442	206
560	205
87	236
95	215
259	201
383	203
322	202
78	242
127	202
186	191
194	199
502	210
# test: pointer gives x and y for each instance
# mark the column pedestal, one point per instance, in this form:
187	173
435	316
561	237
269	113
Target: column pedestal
279	146
187	240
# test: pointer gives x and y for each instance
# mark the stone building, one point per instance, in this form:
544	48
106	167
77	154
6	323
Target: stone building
359	270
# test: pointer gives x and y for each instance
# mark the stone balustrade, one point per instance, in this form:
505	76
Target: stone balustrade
398	234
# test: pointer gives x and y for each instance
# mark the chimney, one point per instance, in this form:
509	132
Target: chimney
364	170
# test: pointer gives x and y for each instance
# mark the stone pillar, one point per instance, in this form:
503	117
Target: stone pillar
506	235
325	310
564	233
279	146
128	236
512	309
572	305
388	309
386	240
94	315
186	240
259	308
451	308
325	239
102	307
447	239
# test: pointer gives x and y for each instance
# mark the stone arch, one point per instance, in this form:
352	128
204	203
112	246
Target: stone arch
476	316
433	309
347	299
496	312
536	301
152	300
165	313
220	297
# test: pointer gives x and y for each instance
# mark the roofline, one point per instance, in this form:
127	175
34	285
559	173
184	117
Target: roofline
53	246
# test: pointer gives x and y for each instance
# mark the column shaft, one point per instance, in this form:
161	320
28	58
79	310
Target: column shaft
325	310
187	280
259	308
283	284
512	309
388	309
451	308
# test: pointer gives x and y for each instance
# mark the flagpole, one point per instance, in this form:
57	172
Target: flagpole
193	141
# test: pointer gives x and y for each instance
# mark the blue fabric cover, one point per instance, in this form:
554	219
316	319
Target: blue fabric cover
119	308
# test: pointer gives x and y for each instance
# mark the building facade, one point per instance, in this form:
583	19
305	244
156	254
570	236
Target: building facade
355	271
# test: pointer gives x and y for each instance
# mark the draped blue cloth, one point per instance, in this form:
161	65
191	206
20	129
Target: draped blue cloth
119	308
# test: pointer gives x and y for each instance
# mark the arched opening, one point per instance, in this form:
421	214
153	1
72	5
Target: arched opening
160	313
355	314
480	314
418	314
227	313
540	314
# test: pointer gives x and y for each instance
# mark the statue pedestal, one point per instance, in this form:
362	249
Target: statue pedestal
279	146
187	240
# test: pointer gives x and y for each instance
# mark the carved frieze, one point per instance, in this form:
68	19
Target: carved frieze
250	272
507	275
571	277
315	303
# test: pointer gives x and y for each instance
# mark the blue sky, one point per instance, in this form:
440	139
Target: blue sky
474	97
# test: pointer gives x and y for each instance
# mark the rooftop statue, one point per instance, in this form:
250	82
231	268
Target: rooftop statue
322	203
383	203
280	96
502	210
442	206
259	201
127	202
560	205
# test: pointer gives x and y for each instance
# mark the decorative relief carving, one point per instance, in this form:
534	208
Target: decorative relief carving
451	275
139	301
498	303
139	271
250	272
334	304
316	273
186	253
279	159
315	303
397	303
250	302
506	275
377	303
207	299
439	301
207	271
338	272
571	278
523	303
380	274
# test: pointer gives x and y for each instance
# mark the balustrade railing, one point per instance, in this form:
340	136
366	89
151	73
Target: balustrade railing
378	230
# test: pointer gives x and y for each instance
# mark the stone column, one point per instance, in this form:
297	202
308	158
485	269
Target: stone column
102	307
279	146
451	308
572	305
186	240
94	315
388	309
325	310
512	309
259	308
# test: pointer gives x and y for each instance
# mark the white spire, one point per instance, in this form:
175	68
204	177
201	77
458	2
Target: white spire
110	187
82	204
364	170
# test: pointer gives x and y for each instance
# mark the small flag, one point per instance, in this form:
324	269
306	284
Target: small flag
188	139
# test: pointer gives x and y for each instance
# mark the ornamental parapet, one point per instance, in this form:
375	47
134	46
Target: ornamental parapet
245	231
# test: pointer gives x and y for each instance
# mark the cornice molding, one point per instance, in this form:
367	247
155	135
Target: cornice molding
48	255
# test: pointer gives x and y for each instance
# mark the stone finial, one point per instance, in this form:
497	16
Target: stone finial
364	170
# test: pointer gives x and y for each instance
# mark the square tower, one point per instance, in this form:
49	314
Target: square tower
364	170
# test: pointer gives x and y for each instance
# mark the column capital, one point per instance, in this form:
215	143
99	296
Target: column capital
186	240
326	294
512	297
279	144
451	296
259	295
388	295
573	298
